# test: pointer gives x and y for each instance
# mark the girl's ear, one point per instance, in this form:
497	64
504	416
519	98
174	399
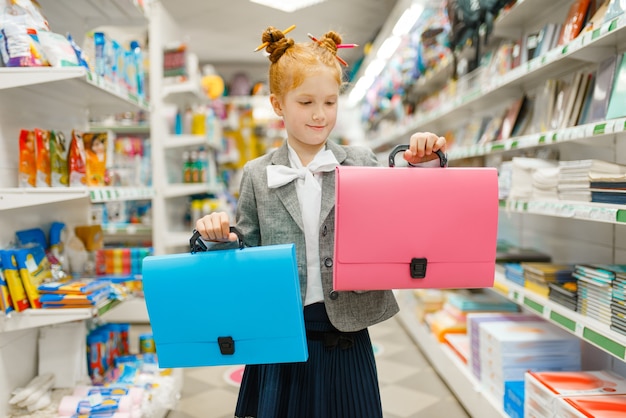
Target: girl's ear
276	105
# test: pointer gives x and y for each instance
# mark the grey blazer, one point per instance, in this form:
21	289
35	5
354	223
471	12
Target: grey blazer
272	216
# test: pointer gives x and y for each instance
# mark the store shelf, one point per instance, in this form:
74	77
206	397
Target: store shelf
187	189
16	198
468	390
588	211
591	131
34	318
511	24
589	47
133	310
113	194
128	230
137	129
183	93
588	329
95	92
182	141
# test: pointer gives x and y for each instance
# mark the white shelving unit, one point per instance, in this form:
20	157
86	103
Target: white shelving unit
171	195
477	401
571	232
59	99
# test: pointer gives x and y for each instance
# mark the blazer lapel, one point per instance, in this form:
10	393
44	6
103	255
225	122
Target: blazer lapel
328	182
287	193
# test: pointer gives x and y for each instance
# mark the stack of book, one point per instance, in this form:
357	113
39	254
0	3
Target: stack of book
509	349
515	273
595	290
618	304
608	188
565	294
544	389
575	177
592	406
76	293
538	276
473	332
452	319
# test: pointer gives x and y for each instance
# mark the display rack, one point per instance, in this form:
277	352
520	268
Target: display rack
590	47
59	99
588	329
477	401
172	196
571	232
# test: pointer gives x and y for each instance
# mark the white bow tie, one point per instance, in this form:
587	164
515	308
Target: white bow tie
279	175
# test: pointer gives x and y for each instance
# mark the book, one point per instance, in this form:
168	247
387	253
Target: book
587	99
510	118
573	115
574	21
597	18
564	90
602	89
543	107
617	101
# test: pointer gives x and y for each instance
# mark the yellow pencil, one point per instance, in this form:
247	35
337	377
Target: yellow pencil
264	44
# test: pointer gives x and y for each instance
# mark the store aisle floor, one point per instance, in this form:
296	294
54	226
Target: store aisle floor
410	388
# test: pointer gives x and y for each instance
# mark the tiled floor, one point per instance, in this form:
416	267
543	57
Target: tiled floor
410	388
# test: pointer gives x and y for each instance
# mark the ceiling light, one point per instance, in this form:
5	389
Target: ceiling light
408	19
287	5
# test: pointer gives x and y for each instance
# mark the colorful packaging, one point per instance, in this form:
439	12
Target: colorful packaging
58	49
59	176
96	157
43	158
20	45
27	176
34	269
58	236
6	304
91	236
14	283
77	160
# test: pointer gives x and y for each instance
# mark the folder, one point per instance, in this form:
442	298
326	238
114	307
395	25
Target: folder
409	227
225	307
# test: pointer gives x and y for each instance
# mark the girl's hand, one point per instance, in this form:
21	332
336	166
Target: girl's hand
422	146
215	227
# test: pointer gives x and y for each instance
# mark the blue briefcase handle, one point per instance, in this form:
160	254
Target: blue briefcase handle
197	245
443	160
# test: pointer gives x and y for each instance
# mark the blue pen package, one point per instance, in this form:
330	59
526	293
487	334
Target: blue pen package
14	283
34	269
6	304
32	236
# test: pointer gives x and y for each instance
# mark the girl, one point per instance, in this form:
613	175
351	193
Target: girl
287	196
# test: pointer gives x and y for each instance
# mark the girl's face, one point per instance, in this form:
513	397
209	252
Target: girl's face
310	110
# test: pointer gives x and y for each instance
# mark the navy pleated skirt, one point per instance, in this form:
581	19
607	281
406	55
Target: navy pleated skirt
339	380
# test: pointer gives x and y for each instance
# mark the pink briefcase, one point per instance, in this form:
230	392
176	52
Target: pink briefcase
409	228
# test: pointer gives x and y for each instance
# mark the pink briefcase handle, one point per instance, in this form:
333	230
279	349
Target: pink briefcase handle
197	245
443	160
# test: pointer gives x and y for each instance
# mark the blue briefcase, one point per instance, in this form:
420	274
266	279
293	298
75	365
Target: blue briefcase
226	306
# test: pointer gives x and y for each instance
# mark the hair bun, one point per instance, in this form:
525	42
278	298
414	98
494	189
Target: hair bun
330	40
277	43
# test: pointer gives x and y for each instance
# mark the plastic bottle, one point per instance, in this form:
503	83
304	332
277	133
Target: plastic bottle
195	167
187	167
178	123
203	165
139	74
